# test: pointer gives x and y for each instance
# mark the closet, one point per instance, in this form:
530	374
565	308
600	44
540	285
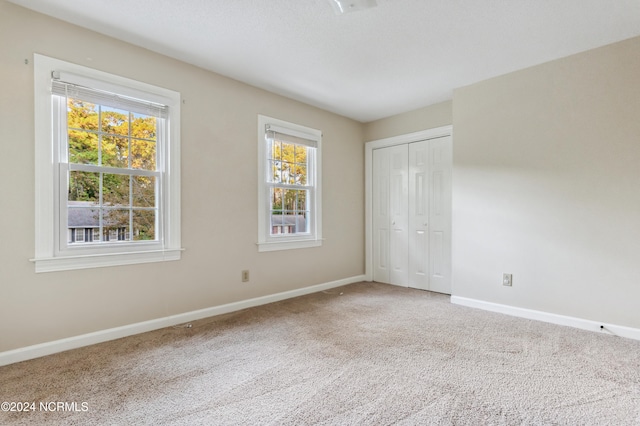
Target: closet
411	214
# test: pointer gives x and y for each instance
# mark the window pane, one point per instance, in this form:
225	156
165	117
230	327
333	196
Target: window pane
303	222
290	199
143	154
288	150
115	190
293	222
81	215
114	121
287	173
276	222
84	186
115	151
276	171
276	199
143	127
300	174
275	164
144	225
301	202
144	191
116	224
82	115
292	174
288	223
83	147
276	150
301	154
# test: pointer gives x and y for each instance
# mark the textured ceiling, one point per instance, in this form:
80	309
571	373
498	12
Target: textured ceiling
396	57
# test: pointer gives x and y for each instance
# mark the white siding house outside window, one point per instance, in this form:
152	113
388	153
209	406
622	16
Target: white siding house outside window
290	195
107	169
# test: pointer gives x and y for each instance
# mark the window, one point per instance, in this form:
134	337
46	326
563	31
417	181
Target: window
289	195
107	169
79	235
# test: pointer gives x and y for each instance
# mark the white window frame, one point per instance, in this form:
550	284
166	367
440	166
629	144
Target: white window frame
52	253
286	241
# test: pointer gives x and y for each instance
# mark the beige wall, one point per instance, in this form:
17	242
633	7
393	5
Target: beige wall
429	117
546	185
219	195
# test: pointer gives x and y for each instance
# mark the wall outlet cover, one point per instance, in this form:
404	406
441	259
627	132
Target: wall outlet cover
507	280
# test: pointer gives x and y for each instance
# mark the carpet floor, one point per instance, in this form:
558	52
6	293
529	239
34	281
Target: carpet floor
363	354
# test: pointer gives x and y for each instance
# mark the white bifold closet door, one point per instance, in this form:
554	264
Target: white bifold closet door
390	215
412	215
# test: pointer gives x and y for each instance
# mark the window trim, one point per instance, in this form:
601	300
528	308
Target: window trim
267	242
48	257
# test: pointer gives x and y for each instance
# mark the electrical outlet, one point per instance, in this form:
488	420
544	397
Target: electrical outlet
245	275
507	279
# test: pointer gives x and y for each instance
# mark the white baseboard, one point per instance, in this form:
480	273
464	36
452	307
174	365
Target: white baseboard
600	327
48	348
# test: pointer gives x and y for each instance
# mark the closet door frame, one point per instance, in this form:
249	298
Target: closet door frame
437	132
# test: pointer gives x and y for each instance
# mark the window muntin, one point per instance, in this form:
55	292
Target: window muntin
290	186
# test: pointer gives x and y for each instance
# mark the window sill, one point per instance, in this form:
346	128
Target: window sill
288	245
66	263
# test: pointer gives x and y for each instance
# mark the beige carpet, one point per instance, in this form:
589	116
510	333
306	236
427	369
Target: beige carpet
361	354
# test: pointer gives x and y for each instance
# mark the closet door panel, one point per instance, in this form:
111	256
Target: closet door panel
398	194
440	153
381	220
419	215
